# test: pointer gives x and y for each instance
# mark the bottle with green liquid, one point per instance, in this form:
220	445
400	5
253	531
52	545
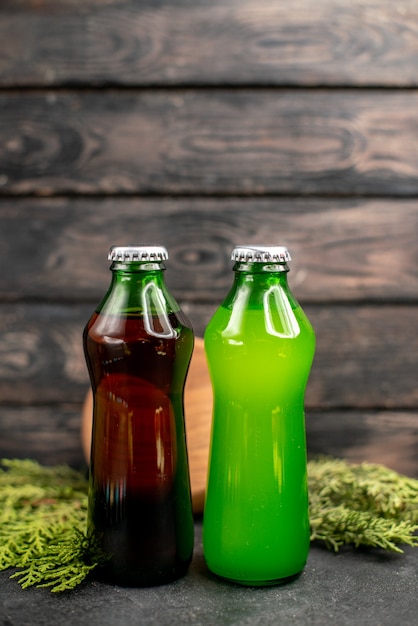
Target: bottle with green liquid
259	346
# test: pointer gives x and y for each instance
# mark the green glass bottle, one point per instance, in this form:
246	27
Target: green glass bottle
138	346
259	346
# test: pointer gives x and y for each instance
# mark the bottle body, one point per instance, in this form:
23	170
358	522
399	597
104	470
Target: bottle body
259	347
138	346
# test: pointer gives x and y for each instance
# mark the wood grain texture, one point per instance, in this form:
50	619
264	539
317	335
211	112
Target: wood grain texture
199	126
55	249
366	355
41	354
51	435
231	42
218	142
386	437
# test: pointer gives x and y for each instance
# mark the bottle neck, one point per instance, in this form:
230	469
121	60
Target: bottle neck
137	287
134	267
260	275
136	275
252	281
261	268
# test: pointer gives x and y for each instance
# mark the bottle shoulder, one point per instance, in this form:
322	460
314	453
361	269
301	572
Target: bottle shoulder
257	324
137	326
141	293
138	310
268	312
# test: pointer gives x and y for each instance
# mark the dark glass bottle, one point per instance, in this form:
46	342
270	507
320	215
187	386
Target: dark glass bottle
260	347
138	345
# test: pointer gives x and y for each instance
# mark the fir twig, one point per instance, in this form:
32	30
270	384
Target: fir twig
43	513
362	505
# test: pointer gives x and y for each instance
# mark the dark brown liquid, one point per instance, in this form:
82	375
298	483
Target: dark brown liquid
139	499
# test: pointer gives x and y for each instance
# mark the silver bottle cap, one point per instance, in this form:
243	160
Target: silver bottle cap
261	254
137	253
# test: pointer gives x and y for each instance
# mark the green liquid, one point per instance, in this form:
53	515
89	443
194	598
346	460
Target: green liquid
256	525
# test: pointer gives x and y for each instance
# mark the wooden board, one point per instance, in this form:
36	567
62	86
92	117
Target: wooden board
202	125
345	250
366	355
386	437
195	42
210	142
52	435
48	434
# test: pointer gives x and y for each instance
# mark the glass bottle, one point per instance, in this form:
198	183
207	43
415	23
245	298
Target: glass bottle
138	346
259	346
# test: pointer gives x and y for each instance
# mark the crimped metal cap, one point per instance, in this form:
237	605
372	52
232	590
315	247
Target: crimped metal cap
137	253
261	254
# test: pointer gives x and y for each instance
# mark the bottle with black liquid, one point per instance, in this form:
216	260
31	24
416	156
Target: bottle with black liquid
138	345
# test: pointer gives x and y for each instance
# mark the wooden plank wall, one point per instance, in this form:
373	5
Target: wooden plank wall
201	125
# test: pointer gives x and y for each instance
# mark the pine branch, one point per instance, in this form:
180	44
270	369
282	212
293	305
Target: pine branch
43	516
364	504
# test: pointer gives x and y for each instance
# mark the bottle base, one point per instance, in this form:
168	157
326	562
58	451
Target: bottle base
260	583
123	578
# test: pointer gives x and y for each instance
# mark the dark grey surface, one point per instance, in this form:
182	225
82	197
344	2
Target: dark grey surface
372	588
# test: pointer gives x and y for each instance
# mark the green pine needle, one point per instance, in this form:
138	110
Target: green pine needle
362	505
43	516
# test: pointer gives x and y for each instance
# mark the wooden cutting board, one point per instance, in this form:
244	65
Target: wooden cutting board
198	415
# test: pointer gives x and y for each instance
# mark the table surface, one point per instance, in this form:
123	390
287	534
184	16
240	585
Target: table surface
359	587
